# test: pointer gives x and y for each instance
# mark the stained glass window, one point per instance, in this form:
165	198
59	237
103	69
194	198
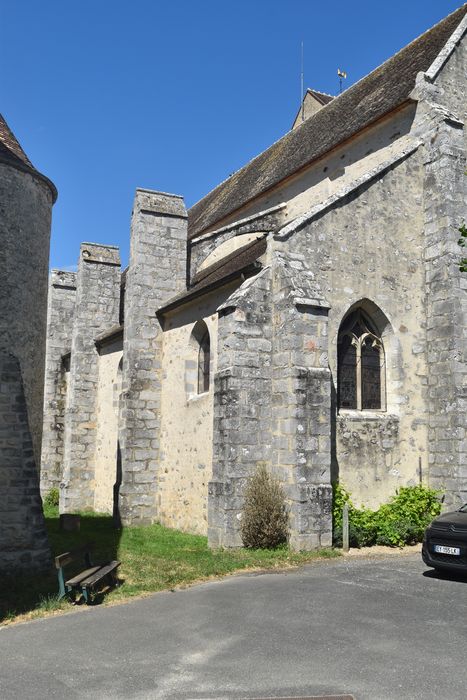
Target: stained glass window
360	364
371	374
347	380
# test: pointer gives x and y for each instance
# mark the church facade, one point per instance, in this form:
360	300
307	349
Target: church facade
308	314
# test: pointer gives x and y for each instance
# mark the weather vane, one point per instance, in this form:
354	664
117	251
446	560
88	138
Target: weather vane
342	76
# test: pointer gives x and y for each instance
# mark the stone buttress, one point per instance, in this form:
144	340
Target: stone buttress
157	271
442	113
272	402
242	404
301	405
446	292
97	309
60	317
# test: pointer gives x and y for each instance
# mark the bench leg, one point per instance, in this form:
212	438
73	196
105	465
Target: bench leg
86	596
113	578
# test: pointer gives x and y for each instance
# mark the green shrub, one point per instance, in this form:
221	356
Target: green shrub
265	520
401	521
52	498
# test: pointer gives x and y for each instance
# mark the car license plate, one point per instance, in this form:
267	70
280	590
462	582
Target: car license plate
441	549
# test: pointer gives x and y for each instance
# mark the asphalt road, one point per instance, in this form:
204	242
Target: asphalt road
375	628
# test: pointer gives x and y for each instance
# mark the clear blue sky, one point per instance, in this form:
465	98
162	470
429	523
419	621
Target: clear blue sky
106	96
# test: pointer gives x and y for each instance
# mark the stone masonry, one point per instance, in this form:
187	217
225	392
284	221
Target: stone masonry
157	271
318	287
242	405
26	199
444	206
97	309
23	538
301	391
61	310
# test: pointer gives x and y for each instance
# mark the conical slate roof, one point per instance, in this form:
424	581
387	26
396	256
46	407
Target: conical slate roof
9	142
12	153
381	91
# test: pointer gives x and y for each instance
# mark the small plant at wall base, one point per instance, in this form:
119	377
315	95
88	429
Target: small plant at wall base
52	498
401	521
265	520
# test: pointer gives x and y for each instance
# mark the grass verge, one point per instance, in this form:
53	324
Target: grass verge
153	558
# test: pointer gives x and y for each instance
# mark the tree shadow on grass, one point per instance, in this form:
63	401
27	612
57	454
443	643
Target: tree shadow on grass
25	593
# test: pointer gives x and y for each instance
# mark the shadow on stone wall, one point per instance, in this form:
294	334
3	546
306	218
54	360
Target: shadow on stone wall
334	462
23	537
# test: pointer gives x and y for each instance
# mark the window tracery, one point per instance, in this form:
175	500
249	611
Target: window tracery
361	364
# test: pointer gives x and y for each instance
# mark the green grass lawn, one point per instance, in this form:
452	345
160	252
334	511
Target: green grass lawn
153	558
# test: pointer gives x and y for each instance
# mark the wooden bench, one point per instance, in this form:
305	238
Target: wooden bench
86	581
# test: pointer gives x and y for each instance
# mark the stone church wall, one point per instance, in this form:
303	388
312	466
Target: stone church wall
60	317
444	208
23	537
371	247
109	388
25	205
97	310
157	271
26	209
186	420
321	179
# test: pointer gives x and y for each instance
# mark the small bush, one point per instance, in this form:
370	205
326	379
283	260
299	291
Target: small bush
401	521
52	498
265	520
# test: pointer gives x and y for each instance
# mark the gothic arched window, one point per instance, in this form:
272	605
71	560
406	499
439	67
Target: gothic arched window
361	364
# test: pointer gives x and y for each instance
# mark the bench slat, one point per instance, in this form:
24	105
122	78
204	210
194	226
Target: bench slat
76	580
93	578
68	557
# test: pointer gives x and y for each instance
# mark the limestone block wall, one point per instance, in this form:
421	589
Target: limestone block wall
301	399
26	209
242	404
186	419
157	271
60	316
26	199
445	197
370	246
97	309
450	83
207	249
109	387
23	538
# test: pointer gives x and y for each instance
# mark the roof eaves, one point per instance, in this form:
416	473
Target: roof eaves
196	292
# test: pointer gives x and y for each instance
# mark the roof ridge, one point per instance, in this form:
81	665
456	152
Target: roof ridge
385	88
404	48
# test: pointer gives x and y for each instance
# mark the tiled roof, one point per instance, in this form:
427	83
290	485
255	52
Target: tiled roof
220	272
383	90
9	143
12	153
322	97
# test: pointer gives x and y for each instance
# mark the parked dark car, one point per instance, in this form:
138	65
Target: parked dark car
445	541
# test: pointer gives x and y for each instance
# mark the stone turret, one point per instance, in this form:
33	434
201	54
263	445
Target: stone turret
26	199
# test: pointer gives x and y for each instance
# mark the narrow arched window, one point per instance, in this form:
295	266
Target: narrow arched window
198	361
204	363
361	364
